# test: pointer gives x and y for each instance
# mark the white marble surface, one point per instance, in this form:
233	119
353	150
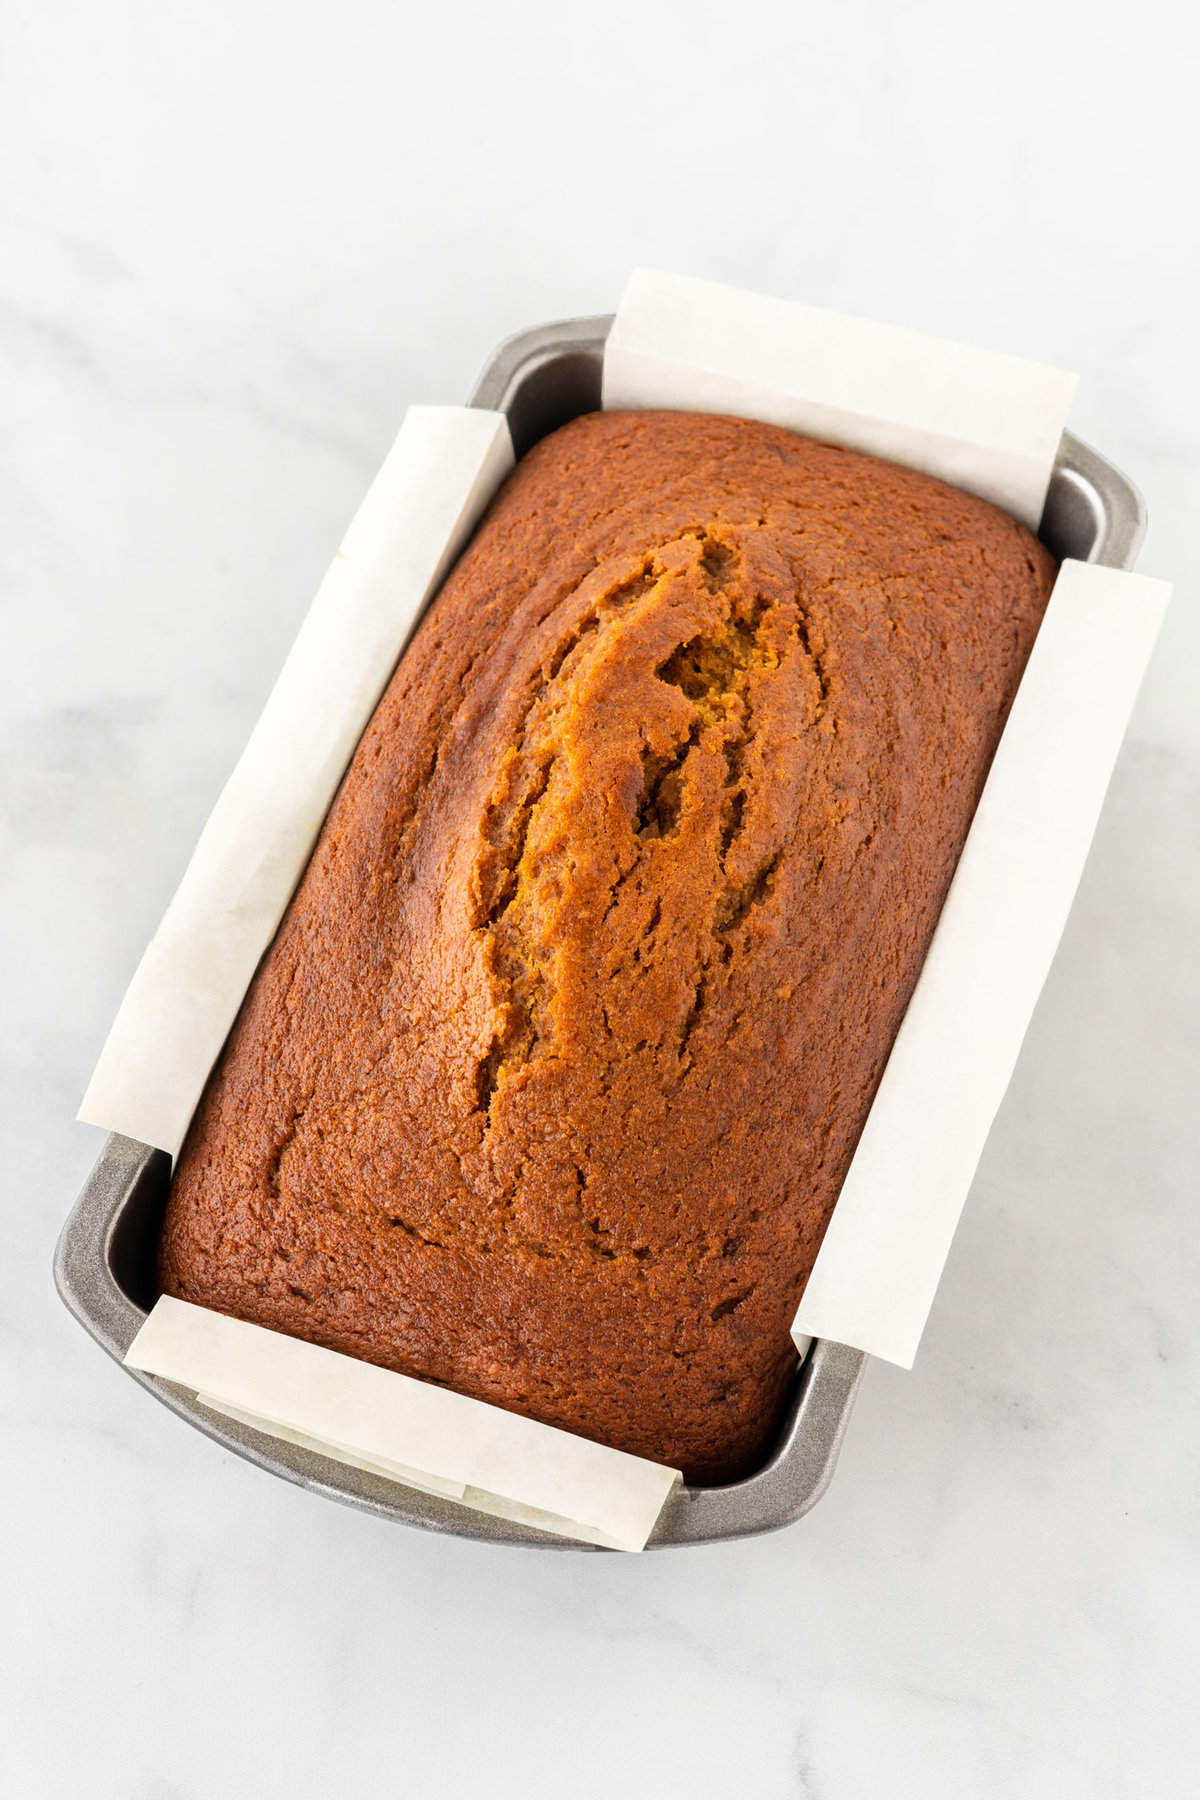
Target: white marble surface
237	240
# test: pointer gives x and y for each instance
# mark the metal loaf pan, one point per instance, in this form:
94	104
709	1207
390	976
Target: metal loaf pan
104	1266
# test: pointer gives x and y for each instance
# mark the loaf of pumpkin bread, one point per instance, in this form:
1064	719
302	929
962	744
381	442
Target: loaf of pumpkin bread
547	1085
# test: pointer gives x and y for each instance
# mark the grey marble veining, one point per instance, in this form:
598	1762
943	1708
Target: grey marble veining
234	246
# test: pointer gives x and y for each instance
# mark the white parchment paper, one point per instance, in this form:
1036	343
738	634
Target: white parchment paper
442	470
879	1266
425	1436
988	423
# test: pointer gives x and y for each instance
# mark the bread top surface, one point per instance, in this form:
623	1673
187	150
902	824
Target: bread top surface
547	1085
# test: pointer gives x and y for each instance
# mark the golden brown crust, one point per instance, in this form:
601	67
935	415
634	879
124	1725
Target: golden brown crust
549	1081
